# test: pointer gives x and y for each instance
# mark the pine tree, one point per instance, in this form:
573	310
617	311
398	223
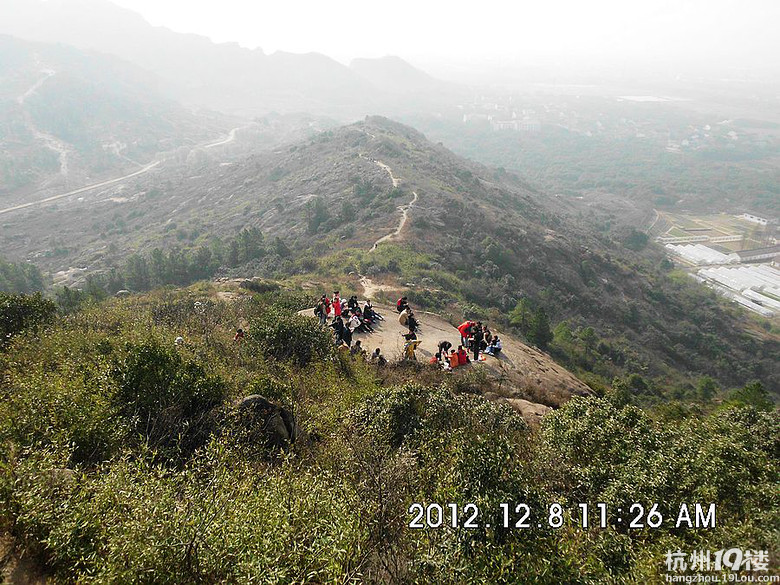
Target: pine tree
539	332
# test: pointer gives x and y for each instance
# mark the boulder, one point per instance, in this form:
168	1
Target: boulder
531	412
273	424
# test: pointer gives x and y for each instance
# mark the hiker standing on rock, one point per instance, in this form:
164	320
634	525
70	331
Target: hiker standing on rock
320	313
326	301
338	328
403	318
346	336
476	342
336	304
465	331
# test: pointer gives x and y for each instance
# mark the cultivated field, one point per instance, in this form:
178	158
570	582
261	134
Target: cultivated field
752	235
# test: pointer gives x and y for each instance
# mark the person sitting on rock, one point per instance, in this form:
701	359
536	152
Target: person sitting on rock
357	323
337	325
354	323
367	325
463	356
495	347
352	303
239	336
454	359
357	350
378	357
370	313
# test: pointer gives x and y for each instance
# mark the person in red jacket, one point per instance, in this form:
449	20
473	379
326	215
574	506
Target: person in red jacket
336	304
402	304
326	305
465	331
463	356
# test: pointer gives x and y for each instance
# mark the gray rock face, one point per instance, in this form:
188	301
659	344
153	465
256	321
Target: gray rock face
269	422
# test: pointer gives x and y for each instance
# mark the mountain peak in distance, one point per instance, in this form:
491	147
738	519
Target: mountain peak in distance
393	74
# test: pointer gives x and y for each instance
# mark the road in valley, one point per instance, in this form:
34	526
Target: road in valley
145	169
228	139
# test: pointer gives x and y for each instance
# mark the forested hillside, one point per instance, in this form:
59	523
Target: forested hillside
103	481
477	242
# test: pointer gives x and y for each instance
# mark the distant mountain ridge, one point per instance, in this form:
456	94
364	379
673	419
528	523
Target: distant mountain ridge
224	76
393	74
67	114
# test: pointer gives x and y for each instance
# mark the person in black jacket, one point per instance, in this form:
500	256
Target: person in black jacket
476	342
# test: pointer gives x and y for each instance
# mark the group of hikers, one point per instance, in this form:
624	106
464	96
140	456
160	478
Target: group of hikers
345	317
349	318
474	337
407	319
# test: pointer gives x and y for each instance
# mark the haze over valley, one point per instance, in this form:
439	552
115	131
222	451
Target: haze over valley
188	191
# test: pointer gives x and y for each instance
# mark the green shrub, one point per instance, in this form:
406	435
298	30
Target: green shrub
286	336
753	394
21	312
619	456
167	400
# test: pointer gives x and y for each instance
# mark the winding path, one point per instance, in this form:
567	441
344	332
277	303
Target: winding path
404	209
50	141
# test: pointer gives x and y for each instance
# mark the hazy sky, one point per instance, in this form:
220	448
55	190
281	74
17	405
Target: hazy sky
651	29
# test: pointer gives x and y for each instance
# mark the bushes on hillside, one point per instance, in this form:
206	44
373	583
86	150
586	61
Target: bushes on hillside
20	278
167	400
286	336
86	499
618	456
20	312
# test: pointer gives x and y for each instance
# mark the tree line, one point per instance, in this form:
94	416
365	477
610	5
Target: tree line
180	267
